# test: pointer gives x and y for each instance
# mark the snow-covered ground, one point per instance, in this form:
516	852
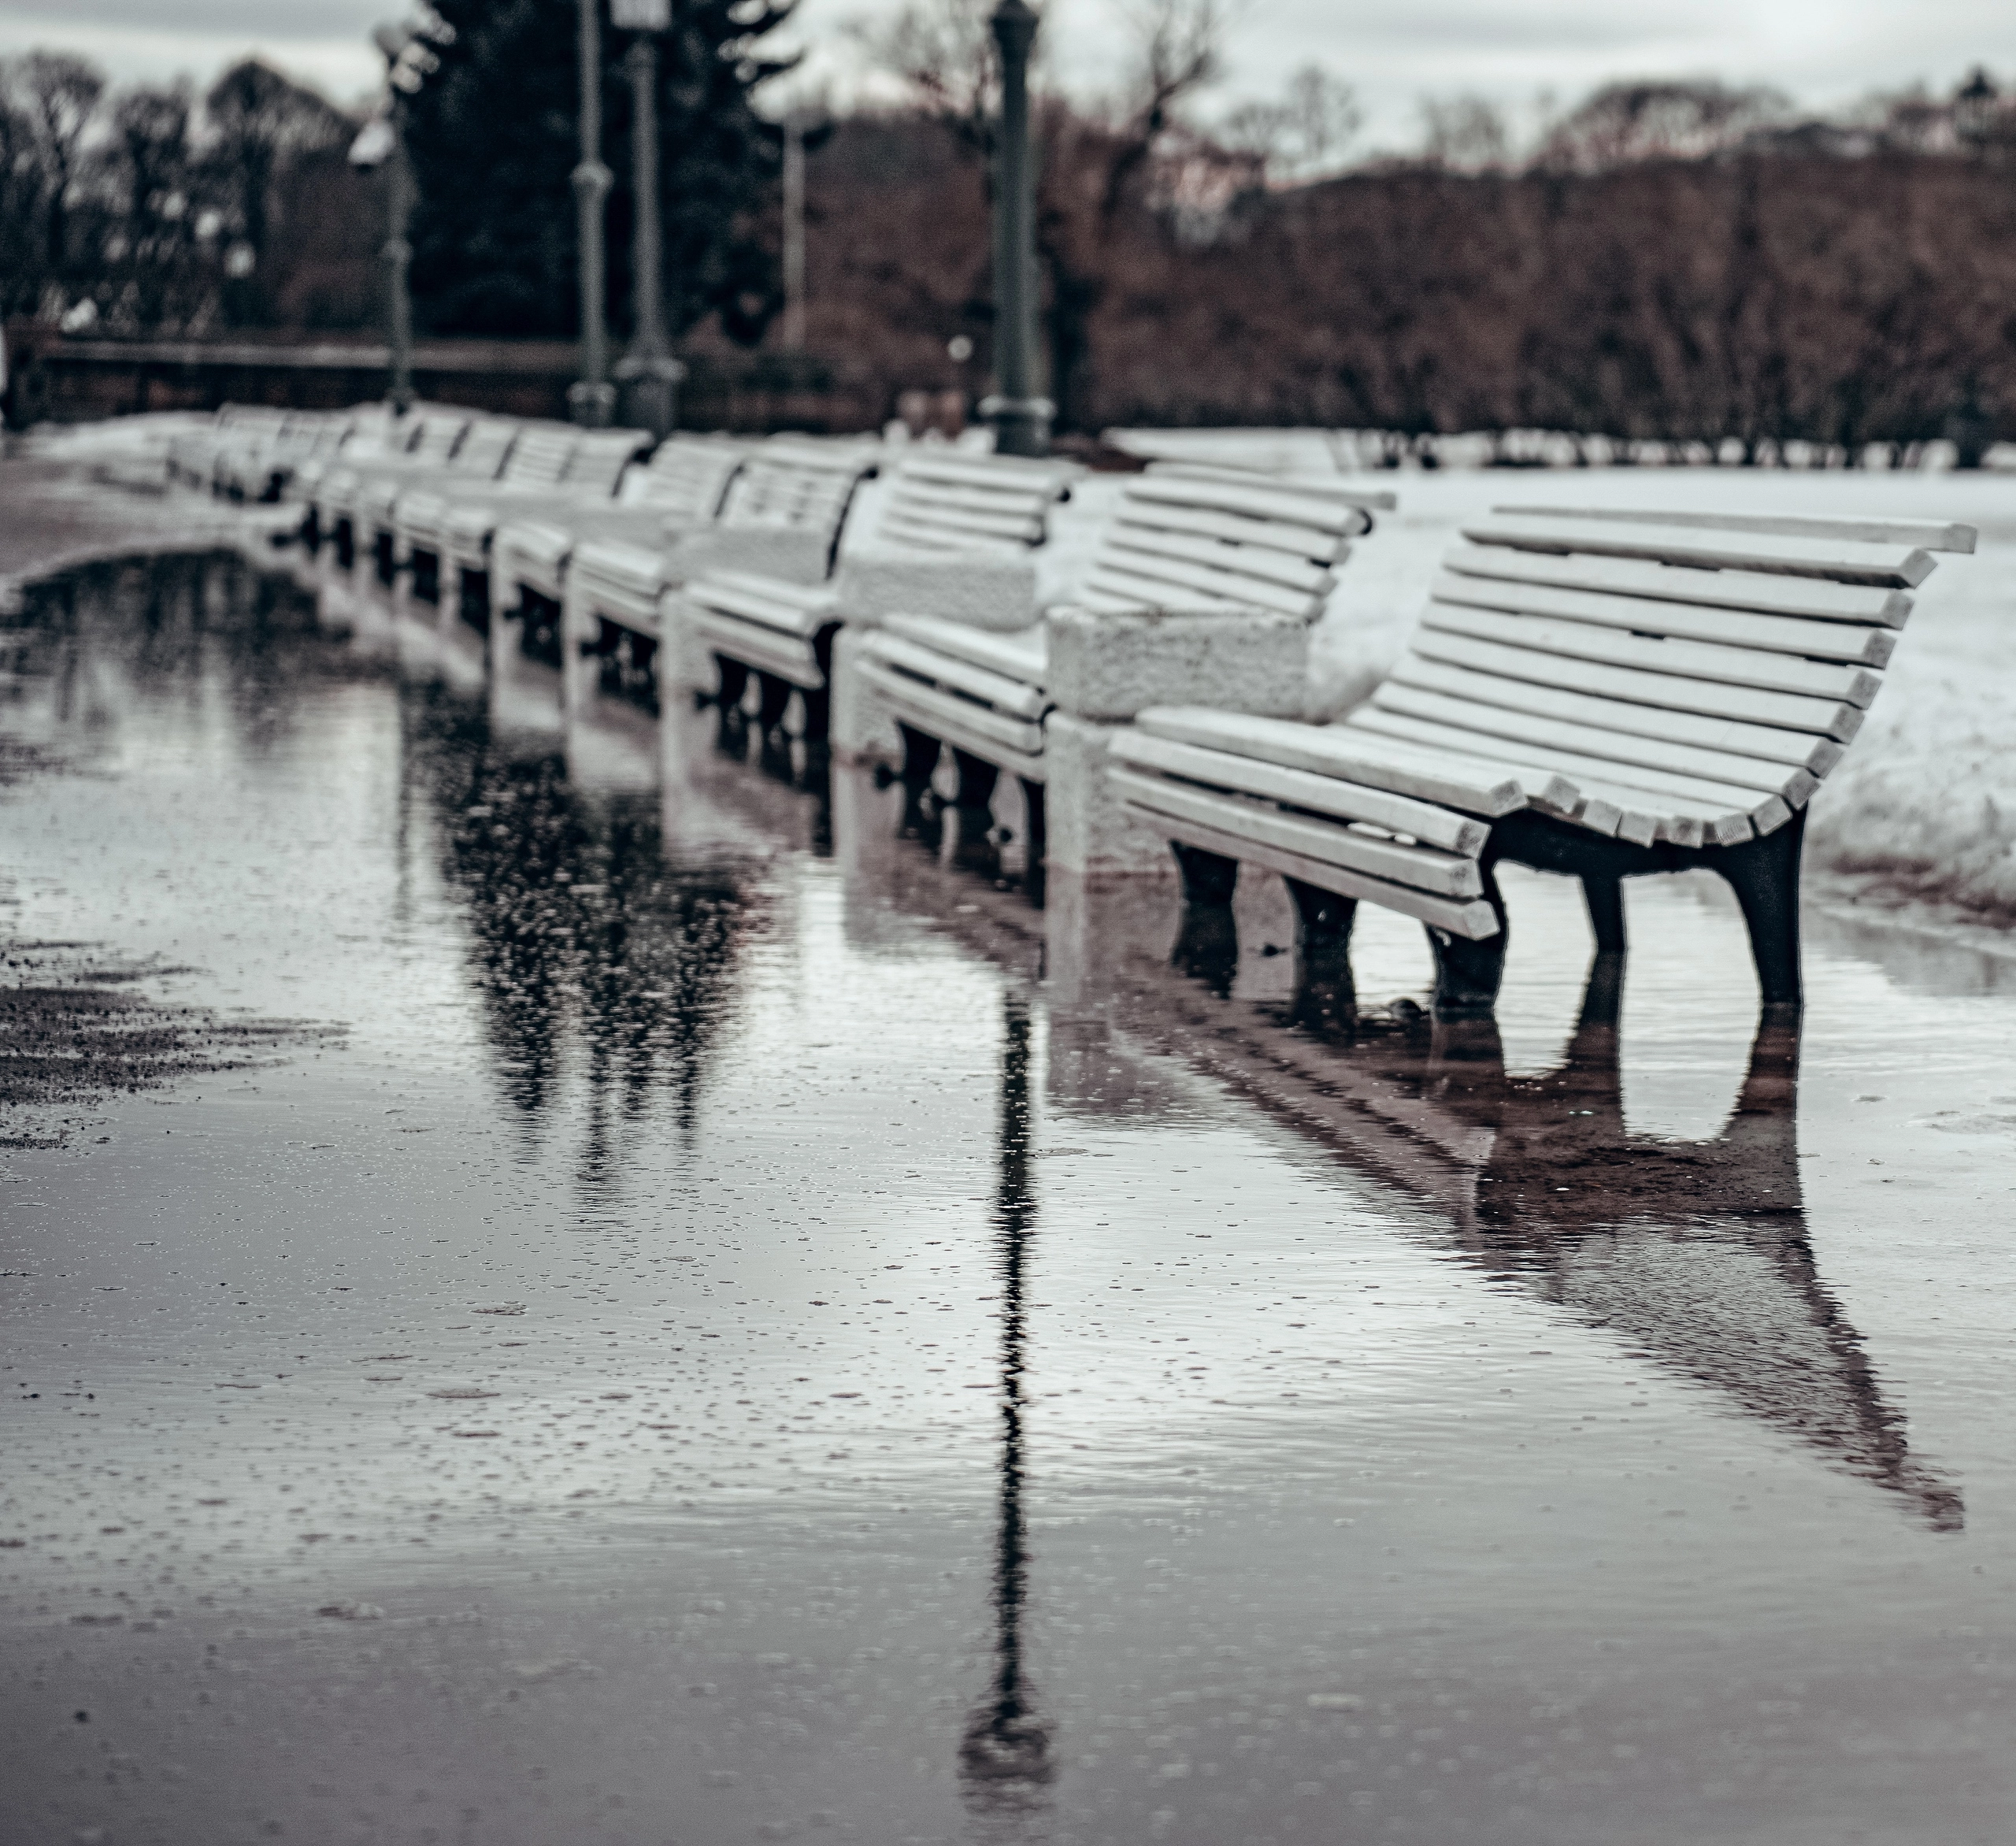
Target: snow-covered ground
1926	797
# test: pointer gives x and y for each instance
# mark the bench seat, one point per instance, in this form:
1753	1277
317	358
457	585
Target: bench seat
1598	693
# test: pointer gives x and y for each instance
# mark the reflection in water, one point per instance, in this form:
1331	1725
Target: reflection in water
1005	1760
1696	1253
583	933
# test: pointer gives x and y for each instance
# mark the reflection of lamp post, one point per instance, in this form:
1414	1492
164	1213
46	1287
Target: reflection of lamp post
382	141
591	398
1005	1759
1021	420
648	368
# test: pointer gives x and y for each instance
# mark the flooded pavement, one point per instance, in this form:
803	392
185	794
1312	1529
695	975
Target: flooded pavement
697	1318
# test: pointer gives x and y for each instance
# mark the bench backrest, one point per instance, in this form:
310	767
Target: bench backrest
948	502
1690	655
436	437
687	477
600	458
800	486
1191	537
483	448
540	456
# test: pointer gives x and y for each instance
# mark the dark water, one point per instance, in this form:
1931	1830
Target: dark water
711	1324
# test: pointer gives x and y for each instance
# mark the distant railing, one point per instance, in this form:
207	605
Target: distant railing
52	377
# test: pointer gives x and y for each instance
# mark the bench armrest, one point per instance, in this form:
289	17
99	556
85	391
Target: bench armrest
796	556
1110	666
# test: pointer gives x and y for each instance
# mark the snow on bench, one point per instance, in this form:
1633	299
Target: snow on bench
683	486
1601	694
955	532
350	497
783	512
1205	577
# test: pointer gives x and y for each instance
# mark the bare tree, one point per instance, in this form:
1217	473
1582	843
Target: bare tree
1660	119
55	97
1300	135
1465	134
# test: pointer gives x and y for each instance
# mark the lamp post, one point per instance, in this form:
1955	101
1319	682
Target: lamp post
1020	419
591	398
793	263
649	370
382	141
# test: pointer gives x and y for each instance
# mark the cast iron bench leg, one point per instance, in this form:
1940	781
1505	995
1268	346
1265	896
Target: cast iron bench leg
1605	898
773	695
818	710
1207	939
1208	877
1324	993
919	757
1764	875
735	681
1467	974
1036	838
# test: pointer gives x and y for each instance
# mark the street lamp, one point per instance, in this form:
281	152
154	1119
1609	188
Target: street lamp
591	399
1020	419
382	141
649	370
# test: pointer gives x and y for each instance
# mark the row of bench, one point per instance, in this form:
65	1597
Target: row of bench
1600	694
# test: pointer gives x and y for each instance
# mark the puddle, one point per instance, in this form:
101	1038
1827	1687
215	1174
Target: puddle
754	1330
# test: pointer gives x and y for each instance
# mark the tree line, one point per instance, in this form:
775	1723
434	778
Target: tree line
1675	262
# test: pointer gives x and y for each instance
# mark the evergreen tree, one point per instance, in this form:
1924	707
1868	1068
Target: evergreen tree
494	136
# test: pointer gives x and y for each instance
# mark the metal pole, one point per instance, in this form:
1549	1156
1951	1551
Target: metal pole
592	399
398	262
649	369
1021	420
794	232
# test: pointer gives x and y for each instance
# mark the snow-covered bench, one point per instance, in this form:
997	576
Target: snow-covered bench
1595	693
1205	578
682	487
445	534
783	515
422	445
954	534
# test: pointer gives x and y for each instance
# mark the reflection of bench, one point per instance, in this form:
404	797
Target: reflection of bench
681	488
782	515
955	535
1604	694
1205	578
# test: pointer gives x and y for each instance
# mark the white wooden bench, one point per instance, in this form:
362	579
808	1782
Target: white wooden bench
683	486
1600	694
782	513
426	441
955	533
446	534
1205	577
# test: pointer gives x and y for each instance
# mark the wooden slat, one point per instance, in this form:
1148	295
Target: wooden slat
1419	868
1301	576
1350	801
1766	778
483	449
1897	567
1294	541
1932	535
1703	796
1262	500
762	648
1473	920
1184	579
1019	654
1128	590
1808	598
942	715
632	567
1622	722
1325	486
1659	691
1751	667
1782	643
1334	749
539	457
958	677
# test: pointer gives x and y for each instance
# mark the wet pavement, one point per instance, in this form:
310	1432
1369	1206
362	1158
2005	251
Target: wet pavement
688	1316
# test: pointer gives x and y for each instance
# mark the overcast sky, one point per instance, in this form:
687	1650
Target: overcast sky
1824	52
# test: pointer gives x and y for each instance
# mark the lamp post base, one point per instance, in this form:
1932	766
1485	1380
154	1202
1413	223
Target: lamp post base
591	405
649	382
1022	425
